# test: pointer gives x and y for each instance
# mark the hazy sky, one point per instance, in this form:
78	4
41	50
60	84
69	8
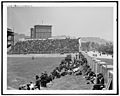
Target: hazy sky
70	21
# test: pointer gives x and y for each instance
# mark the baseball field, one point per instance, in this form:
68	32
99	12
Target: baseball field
22	70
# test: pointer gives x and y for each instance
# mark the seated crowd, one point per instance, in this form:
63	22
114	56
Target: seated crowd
47	46
78	66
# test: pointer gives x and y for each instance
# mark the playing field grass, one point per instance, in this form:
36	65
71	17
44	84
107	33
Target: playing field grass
21	70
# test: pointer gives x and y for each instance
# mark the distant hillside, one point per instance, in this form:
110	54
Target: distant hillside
84	39
17	37
94	39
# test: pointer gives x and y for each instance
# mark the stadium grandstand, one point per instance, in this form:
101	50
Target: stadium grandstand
45	46
10	39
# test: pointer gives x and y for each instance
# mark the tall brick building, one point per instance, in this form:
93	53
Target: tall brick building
41	31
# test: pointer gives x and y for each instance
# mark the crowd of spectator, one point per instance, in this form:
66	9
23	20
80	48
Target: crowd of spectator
68	66
47	46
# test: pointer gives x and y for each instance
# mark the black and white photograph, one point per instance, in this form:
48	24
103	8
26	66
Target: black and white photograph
56	47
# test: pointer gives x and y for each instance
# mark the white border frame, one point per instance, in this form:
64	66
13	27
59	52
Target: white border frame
69	4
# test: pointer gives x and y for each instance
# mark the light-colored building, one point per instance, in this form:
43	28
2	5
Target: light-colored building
41	31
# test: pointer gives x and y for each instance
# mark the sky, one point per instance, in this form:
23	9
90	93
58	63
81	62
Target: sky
69	21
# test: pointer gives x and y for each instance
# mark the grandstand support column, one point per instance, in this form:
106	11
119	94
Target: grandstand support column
95	70
106	73
97	62
79	40
12	41
101	68
96	65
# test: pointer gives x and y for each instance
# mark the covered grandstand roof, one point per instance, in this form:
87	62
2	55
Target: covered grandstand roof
9	31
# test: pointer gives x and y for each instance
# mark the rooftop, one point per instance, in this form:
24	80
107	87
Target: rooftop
43	25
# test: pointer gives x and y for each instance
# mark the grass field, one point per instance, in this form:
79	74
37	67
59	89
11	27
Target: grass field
22	70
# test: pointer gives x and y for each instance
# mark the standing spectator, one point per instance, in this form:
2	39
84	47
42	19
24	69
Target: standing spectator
37	83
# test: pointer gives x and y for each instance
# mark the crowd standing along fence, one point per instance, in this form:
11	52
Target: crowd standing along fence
101	67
